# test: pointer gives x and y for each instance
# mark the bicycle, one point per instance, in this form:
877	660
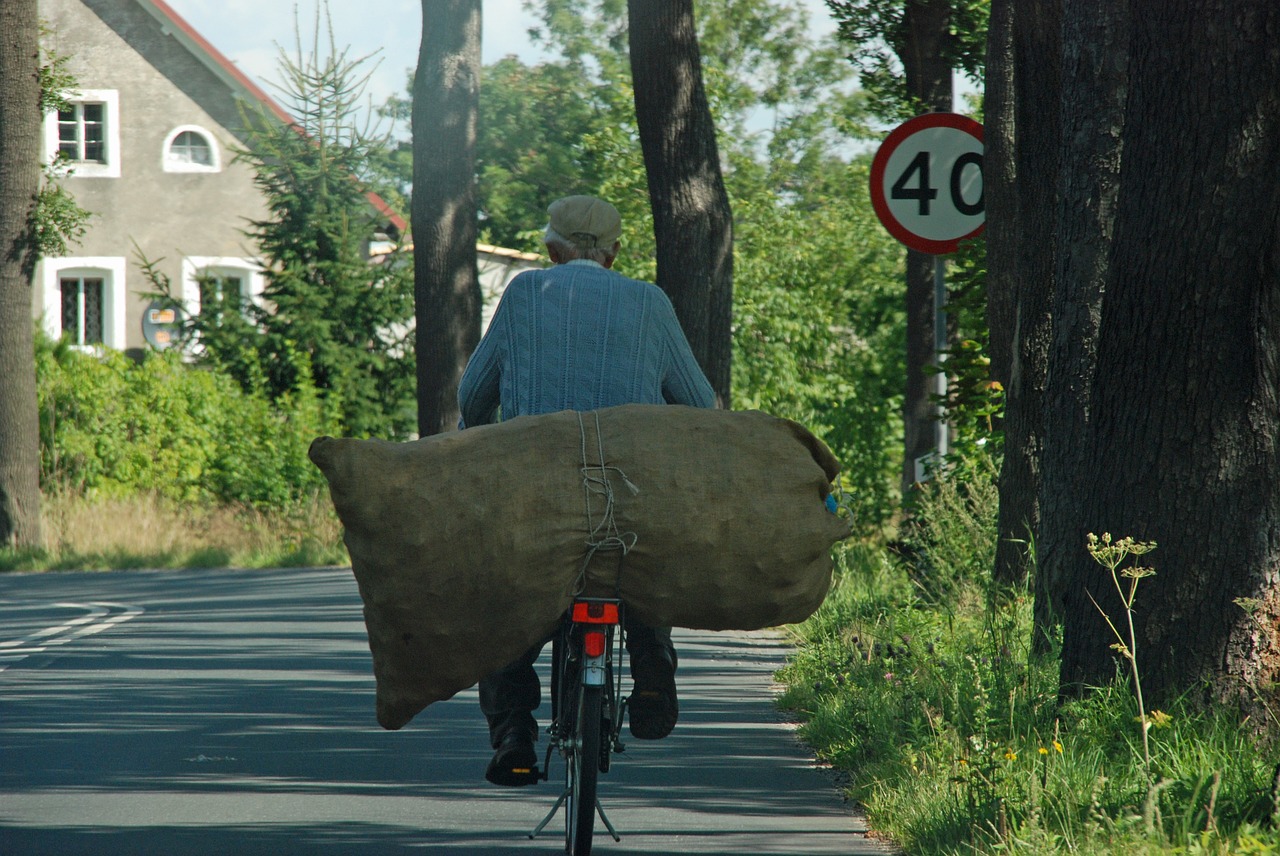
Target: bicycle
587	711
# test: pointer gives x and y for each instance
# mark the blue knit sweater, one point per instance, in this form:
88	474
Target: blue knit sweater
579	337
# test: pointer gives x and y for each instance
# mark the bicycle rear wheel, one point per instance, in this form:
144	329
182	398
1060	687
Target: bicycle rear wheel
582	771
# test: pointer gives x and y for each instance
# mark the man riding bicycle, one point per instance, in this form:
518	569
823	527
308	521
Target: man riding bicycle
579	336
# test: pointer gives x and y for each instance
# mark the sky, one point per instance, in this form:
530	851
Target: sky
251	33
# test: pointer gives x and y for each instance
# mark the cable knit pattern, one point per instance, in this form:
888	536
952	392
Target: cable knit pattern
579	337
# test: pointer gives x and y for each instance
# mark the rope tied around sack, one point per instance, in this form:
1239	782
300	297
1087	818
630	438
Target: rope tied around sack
602	532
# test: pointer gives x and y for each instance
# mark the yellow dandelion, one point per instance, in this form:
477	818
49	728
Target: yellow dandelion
1043	751
1010	755
1057	747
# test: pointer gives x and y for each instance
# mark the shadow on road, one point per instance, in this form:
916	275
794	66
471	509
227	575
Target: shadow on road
236	716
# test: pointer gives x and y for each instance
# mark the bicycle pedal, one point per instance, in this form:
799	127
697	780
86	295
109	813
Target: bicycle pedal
514	777
528	775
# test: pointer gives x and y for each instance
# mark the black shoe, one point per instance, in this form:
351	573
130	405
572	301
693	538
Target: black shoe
515	763
653	708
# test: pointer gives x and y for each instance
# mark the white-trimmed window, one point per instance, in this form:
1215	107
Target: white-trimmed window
84	138
190	148
84	300
220	284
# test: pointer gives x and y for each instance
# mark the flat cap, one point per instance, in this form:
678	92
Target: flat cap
587	221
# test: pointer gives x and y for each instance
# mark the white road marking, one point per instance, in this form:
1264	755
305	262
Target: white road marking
99	616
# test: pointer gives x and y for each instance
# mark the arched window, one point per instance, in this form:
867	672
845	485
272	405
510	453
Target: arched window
190	149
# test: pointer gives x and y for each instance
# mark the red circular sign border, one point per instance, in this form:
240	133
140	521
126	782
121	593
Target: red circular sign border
881	161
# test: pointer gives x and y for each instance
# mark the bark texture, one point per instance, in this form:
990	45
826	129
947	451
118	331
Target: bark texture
693	225
999	174
19	185
446	97
1164	386
1028	269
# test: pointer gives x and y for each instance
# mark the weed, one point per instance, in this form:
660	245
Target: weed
955	740
1113	556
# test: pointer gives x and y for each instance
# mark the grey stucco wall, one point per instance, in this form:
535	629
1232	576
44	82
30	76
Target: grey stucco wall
118	45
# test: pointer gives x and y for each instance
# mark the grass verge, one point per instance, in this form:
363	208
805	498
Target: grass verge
146	531
927	694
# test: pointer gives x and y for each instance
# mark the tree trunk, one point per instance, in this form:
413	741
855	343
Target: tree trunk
928	77
19	185
447	297
1026	270
1094	50
1175	248
693	226
999	183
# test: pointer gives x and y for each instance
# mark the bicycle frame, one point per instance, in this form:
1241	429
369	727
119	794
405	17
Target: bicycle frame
586	714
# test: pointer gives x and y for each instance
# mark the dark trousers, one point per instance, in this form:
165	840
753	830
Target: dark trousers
509	696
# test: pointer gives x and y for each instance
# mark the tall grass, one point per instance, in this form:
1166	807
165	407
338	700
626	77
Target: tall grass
148	531
920	682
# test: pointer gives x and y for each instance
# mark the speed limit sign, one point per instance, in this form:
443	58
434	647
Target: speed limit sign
926	182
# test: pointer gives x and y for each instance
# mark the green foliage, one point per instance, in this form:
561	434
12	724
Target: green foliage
525	162
974	404
783	105
879	32
329	319
58	221
947	546
110	427
951	728
819	327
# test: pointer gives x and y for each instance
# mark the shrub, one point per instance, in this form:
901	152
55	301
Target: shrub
111	427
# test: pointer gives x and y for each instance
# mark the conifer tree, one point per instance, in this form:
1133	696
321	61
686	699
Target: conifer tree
329	314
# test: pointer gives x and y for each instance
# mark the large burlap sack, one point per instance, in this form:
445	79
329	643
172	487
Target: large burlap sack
468	546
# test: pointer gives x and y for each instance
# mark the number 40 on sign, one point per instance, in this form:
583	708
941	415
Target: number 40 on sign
926	182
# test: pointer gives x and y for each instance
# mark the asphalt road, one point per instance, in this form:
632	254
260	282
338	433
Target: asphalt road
231	712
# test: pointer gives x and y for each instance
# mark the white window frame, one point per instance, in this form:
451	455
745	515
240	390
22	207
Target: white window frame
194	267
110	100
215	153
111	270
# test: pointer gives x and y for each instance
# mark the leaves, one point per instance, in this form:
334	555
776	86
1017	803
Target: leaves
110	427
879	33
330	320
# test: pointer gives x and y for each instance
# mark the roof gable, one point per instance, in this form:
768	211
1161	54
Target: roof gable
190	62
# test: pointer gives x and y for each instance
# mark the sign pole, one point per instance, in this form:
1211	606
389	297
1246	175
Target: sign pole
926	188
940	346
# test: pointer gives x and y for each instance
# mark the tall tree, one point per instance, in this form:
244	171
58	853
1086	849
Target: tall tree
1163	390
1023	131
19	187
692	223
905	51
446	94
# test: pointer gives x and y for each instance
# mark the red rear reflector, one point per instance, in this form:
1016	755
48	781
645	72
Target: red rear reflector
595	612
593	643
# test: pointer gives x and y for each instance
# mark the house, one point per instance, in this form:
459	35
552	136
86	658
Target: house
149	142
